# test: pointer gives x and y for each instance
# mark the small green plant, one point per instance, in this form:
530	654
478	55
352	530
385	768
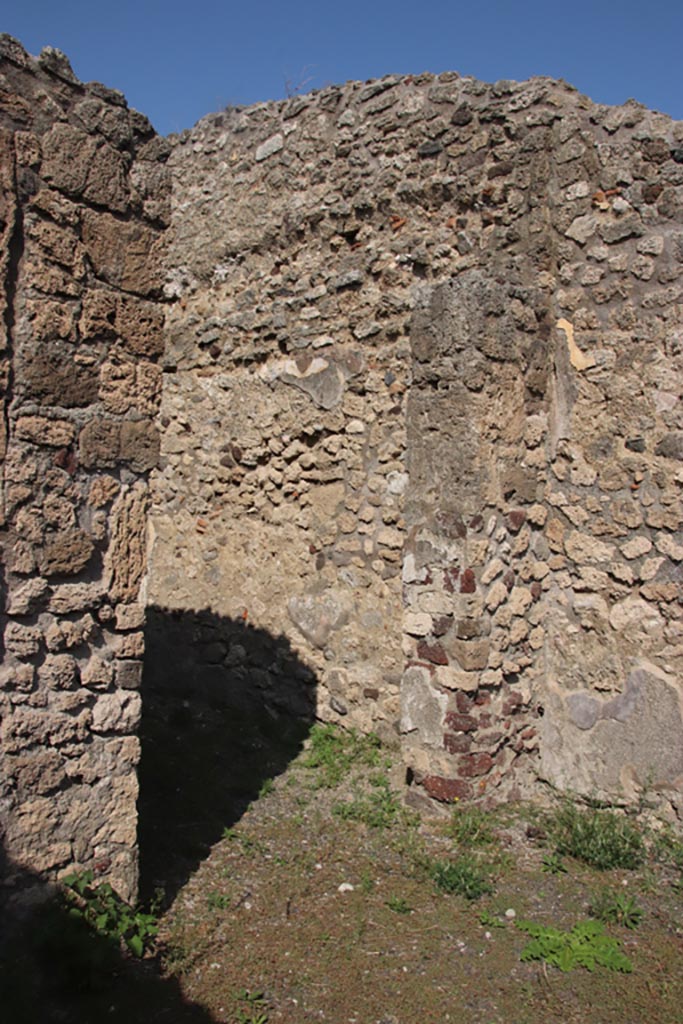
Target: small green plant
469	826
267	786
107	914
667	848
377	809
601	839
586	945
398	905
217	900
553	864
367	882
489	920
465	877
615	907
255	1010
333	752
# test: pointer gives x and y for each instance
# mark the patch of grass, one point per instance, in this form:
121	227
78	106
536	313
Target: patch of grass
489	920
333	752
614	907
586	945
667	848
267	786
253	1010
398	905
464	876
553	864
601	839
217	900
378	808
469	826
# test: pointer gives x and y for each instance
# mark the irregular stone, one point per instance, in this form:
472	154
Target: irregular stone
316	616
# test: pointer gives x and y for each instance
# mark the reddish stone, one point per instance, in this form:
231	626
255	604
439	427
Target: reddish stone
446	790
460	723
66	459
441	625
450	578
528	734
468	583
476	522
536	590
512	703
484	721
463	702
456	744
476	764
509	579
516	520
432	652
482	699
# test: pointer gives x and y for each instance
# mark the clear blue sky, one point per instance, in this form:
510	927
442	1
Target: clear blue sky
181	59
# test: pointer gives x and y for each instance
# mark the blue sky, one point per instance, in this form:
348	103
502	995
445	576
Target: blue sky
180	59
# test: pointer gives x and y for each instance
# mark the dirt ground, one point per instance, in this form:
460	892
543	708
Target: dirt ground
322	902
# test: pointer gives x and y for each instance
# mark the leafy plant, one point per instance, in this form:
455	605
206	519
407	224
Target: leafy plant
601	839
617	908
464	876
267	786
398	905
553	864
489	920
107	914
377	809
254	1012
586	945
469	826
333	752
217	900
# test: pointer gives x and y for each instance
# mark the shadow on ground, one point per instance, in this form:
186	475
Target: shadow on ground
55	970
225	707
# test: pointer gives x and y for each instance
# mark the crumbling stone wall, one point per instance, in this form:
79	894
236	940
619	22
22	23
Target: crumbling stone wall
422	415
84	199
420	423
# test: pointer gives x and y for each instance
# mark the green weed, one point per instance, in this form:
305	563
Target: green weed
217	900
469	826
601	839
255	1011
398	905
465	877
106	913
586	945
614	907
553	864
267	786
333	752
377	809
489	920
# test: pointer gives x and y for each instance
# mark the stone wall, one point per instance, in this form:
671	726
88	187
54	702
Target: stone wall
84	198
422	416
417	465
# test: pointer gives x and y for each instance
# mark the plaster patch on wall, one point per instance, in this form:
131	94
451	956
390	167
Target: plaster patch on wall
578	359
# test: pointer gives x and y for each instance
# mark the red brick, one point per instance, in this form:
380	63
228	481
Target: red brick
432	652
456	744
476	764
460	723
468	583
446	790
